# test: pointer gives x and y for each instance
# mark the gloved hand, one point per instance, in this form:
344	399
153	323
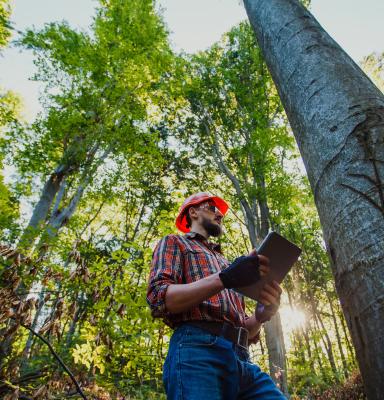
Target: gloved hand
244	271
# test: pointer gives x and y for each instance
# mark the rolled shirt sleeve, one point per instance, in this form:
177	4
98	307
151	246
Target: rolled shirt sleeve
166	269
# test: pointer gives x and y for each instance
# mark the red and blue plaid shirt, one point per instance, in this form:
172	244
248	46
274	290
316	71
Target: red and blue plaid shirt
185	259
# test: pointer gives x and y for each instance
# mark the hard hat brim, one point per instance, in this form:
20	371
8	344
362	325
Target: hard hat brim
181	220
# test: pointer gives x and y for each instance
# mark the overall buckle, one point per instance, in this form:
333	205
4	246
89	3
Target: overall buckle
242	338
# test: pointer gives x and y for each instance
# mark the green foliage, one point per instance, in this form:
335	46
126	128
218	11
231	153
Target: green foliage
5	12
8	209
129	130
373	65
234	121
101	95
9	111
9	108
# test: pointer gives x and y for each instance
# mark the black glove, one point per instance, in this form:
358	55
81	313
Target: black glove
244	271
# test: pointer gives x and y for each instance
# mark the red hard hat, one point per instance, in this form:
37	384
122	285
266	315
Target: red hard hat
181	220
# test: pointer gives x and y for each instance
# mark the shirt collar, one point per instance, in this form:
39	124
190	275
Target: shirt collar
201	238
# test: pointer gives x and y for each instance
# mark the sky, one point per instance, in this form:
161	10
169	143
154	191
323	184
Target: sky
194	25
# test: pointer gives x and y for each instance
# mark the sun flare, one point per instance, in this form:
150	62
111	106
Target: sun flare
291	318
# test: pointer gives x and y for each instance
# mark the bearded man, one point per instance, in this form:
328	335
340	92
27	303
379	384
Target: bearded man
190	287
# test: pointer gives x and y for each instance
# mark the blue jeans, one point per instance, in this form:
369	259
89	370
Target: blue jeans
201	366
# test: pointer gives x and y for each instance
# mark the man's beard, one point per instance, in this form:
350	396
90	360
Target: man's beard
211	228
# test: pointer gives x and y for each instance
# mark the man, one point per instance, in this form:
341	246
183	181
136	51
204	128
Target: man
190	288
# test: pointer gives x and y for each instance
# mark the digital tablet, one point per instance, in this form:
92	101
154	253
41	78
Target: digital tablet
282	255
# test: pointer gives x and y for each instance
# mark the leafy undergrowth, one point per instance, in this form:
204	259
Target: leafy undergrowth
62	387
351	389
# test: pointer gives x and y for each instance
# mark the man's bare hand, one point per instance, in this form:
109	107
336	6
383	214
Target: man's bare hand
270	294
269	302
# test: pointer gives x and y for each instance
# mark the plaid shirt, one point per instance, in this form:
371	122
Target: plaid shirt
185	259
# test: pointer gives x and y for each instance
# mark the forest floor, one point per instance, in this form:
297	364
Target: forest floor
351	389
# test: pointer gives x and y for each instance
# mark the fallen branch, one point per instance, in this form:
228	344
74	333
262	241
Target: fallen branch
58	359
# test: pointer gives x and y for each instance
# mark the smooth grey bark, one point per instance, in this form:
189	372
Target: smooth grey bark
41	209
60	218
53	192
61	215
337	116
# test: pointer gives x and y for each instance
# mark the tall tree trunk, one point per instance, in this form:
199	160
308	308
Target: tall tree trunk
276	352
337	116
41	210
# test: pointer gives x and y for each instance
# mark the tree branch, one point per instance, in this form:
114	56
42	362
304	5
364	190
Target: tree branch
58	359
246	207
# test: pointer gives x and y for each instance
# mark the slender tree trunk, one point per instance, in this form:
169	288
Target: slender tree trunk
307	342
298	338
74	321
276	352
31	336
264	209
325	337
337	116
317	350
274	335
262	347
338	337
346	338
299	347
60	218
327	344
297	281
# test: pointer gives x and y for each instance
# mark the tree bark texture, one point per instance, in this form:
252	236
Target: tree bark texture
337	116
44	204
